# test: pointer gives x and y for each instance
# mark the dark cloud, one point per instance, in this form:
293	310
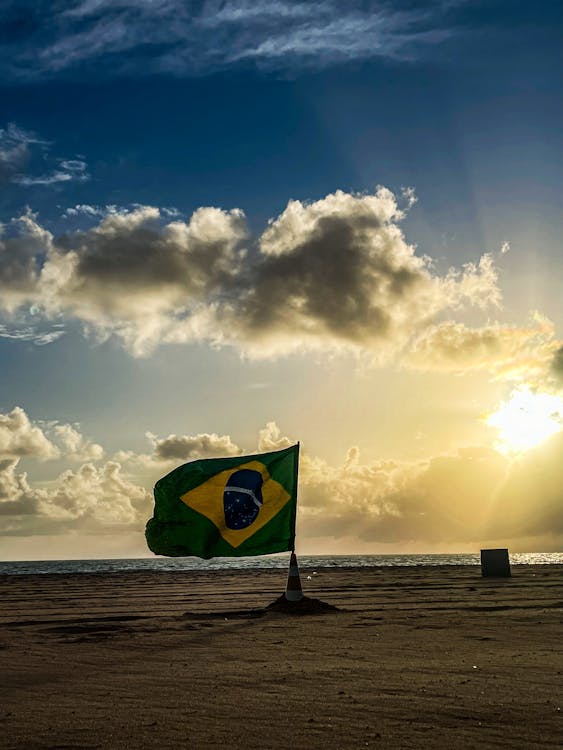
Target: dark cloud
189	447
332	274
328	282
133	251
21	259
557	364
339	273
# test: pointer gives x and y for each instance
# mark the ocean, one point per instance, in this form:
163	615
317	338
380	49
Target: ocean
309	562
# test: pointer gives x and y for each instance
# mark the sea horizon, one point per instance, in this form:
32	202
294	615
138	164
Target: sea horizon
306	562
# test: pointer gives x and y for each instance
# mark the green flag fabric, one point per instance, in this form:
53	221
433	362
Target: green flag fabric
227	507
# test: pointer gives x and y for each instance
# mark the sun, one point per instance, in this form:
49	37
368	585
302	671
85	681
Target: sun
525	420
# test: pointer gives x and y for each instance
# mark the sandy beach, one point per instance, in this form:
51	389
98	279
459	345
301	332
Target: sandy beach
433	657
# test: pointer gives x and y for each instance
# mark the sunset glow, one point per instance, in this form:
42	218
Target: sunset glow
229	227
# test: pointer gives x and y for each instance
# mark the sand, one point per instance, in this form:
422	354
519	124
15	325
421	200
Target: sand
415	658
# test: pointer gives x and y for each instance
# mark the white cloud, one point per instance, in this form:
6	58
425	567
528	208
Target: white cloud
91	499
19	437
16	497
22	438
68	171
75	446
92	211
23	153
171	36
85	209
101	495
351	35
30	333
271	439
507	352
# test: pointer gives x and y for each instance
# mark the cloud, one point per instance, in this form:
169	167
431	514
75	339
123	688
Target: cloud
19	437
333	275
68	171
75	446
507	352
337	273
16	496
93	211
21	259
462	500
29	333
431	501
103	38
459	500
85	209
355	35
557	364
188	447
23	153
14	150
271	439
91	499
168	452
102	495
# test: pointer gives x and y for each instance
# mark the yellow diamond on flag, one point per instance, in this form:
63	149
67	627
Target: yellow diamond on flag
209	500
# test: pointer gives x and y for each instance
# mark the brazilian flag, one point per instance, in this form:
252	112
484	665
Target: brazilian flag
227	507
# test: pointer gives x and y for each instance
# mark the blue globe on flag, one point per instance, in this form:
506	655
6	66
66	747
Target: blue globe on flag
242	498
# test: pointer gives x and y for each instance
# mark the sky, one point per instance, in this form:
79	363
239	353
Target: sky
228	226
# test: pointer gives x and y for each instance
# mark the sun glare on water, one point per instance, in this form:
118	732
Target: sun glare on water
526	420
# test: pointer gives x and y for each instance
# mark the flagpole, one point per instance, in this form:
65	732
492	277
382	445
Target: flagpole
296	476
293	590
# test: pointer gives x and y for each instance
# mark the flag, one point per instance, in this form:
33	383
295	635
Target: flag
227	507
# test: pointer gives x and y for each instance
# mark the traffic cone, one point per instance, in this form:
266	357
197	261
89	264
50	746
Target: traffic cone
293	592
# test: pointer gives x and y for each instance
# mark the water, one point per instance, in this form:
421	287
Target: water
271	561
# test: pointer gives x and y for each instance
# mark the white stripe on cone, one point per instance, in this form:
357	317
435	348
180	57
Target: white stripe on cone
294	592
